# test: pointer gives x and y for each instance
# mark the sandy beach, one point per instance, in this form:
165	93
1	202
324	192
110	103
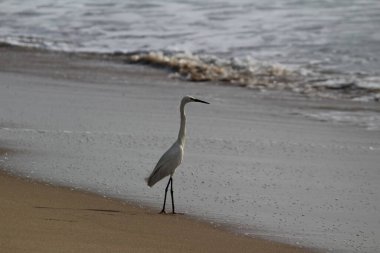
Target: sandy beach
37	217
256	164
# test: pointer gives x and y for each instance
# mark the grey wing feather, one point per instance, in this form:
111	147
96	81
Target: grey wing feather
166	165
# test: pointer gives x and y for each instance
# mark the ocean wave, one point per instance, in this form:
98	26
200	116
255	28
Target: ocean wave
242	72
37	42
262	75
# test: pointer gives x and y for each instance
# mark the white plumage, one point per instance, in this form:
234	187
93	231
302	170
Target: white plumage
172	158
167	164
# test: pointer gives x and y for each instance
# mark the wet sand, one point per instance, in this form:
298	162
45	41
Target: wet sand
37	217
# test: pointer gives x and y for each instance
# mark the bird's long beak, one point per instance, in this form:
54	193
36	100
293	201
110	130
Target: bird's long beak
200	101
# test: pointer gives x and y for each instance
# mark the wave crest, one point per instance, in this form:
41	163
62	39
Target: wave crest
257	75
208	68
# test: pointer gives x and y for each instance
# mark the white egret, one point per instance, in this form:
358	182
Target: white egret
172	158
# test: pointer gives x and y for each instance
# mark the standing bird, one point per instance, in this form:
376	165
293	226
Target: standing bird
172	158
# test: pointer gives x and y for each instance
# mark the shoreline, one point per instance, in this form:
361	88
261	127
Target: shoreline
40	217
264	77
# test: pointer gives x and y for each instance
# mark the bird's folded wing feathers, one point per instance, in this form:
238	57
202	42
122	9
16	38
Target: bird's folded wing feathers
168	162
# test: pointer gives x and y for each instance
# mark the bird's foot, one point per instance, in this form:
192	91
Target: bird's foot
162	212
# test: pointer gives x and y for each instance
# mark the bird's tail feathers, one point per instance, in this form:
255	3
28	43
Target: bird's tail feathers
147	181
150	181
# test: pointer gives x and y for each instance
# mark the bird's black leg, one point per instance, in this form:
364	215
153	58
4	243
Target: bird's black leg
171	191
166	191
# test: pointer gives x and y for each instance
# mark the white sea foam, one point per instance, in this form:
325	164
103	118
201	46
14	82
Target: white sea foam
260	75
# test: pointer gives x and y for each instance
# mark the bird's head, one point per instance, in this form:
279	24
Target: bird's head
188	99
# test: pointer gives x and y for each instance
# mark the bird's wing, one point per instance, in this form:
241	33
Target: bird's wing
168	162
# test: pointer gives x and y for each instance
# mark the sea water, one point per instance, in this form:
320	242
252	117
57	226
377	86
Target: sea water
319	48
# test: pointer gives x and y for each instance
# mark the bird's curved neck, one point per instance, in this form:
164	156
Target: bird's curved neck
182	129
